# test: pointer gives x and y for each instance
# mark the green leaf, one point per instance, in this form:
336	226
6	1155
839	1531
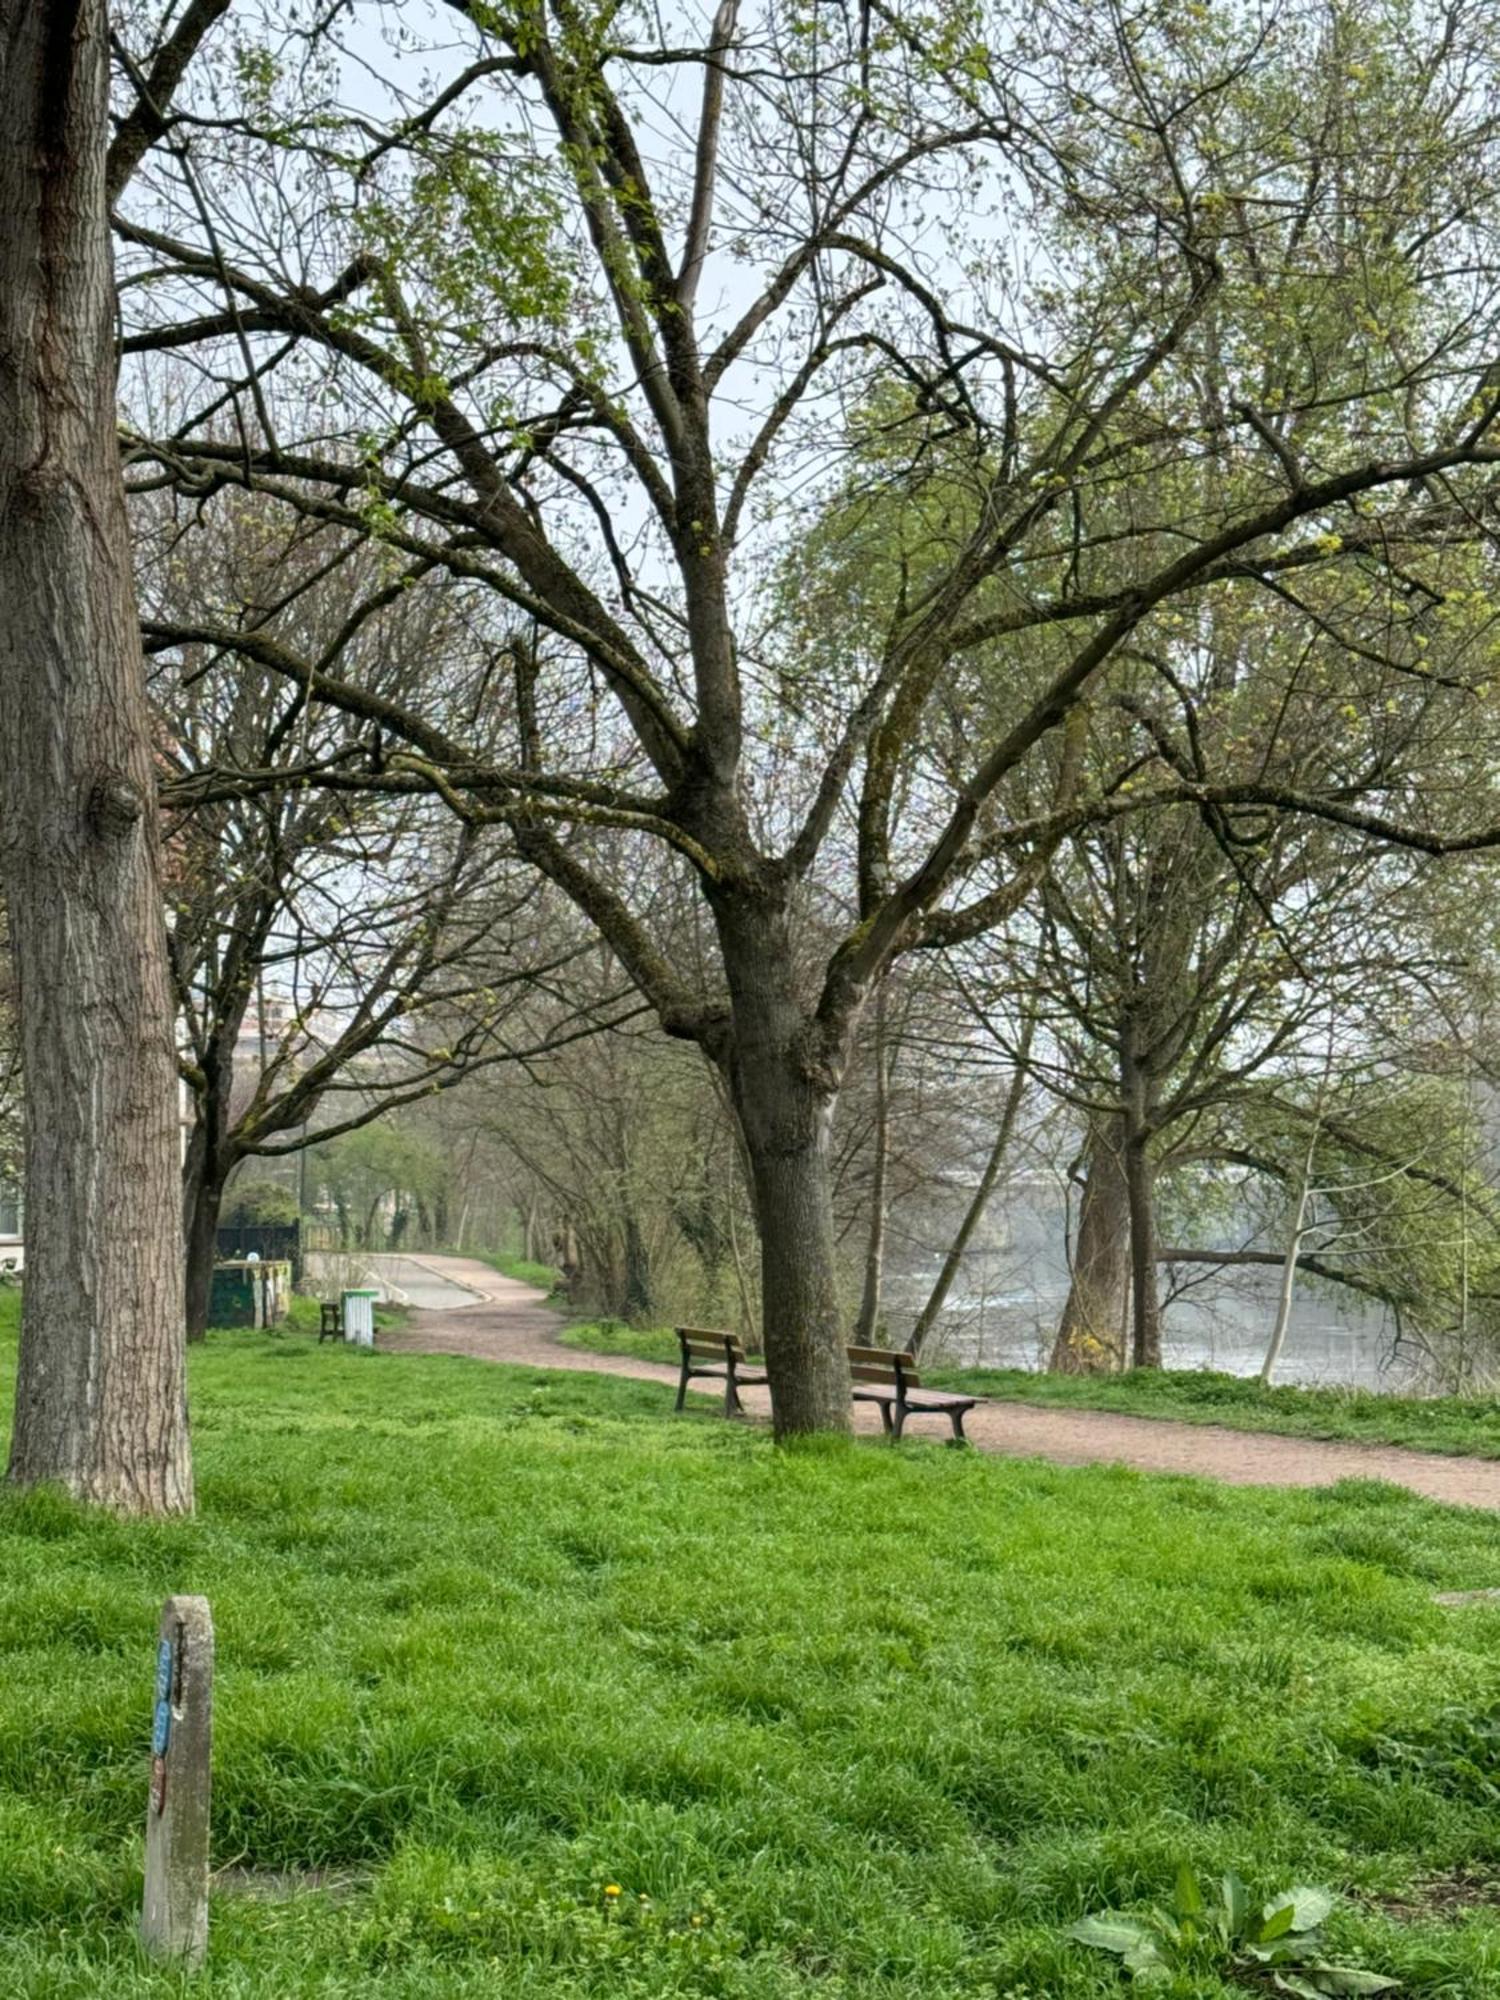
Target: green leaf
1309	1906
1112	1932
1148	1969
1276	1921
1348	1979
1236	1903
1291	1982
1189	1895
1281	1951
1147	1964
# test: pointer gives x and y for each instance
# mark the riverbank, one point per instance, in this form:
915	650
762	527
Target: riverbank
1462	1426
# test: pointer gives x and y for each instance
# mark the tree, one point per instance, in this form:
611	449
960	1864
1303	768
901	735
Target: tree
261	1204
1184	949
362	1169
334	955
100	1403
498	372
622	1145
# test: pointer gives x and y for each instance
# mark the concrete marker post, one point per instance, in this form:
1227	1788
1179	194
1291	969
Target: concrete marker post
174	1916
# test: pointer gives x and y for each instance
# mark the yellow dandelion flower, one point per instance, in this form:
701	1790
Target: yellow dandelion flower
611	1888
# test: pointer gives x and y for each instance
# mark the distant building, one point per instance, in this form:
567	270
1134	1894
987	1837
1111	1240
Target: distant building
10	1225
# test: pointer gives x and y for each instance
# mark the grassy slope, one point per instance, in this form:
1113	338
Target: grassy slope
862	1724
1469	1425
546	1277
613	1336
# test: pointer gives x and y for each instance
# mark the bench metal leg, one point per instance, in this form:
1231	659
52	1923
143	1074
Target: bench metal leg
732	1404
682	1386
956	1418
885	1416
900	1422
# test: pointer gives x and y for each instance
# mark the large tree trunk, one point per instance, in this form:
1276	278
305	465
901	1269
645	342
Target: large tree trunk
868	1324
801	1321
202	1199
1140	1181
639	1302
1090	1337
100	1403
207	1164
1145	1319
785	1098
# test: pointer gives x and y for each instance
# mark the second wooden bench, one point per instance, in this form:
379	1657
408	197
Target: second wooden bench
706	1351
884	1376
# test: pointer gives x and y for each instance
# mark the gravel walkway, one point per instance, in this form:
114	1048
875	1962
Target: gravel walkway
512	1322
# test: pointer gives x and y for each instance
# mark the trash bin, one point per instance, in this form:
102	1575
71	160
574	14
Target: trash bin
359	1317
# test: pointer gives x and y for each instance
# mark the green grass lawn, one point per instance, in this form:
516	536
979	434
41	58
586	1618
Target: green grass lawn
614	1336
546	1277
847	1722
1469	1425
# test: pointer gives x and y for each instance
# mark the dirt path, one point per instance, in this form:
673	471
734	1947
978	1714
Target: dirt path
512	1322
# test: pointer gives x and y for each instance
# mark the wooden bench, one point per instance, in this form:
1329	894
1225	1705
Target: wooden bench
883	1376
330	1322
707	1351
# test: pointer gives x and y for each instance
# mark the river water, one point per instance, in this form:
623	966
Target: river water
1005	1306
1228	1332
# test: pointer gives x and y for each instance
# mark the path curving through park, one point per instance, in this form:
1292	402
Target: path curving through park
489	1318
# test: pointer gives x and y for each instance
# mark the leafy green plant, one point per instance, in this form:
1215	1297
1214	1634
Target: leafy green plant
256	1204
1279	1944
1458	1753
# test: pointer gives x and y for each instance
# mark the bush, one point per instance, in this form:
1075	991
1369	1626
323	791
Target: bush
260	1205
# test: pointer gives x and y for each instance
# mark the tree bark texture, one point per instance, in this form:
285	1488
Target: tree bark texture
100	1404
1090	1337
202	1199
1145	1299
785	1099
868	1325
1140	1182
639	1299
207	1164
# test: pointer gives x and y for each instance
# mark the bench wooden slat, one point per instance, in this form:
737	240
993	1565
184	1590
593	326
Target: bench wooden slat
894	1384
925	1399
709	1350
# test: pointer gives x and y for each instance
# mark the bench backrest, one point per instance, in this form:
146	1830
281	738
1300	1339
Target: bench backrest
886	1365
708	1343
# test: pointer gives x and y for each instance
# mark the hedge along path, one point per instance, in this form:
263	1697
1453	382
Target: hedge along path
511	1322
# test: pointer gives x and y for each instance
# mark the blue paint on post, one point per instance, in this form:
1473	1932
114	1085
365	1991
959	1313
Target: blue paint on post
161	1733
164	1670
